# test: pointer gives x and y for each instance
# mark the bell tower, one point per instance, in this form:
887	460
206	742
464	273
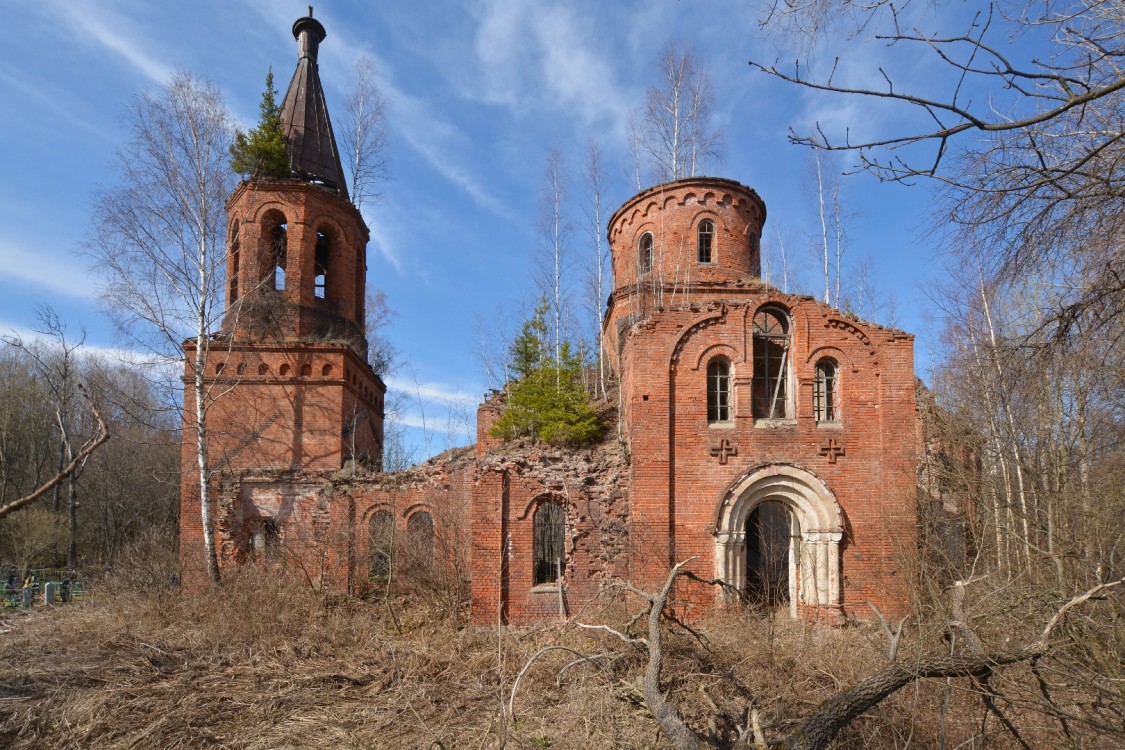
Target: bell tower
288	381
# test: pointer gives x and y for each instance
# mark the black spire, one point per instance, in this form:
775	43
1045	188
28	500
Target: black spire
304	115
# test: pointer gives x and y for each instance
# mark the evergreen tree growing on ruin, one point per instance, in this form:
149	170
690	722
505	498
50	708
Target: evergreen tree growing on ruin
260	152
548	400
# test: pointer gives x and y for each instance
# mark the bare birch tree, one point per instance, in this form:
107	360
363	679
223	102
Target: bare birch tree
159	245
364	133
675	130
553	267
595	222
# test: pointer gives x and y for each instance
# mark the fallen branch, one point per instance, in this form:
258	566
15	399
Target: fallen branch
101	434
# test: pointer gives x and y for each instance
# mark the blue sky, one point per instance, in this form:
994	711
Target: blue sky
477	93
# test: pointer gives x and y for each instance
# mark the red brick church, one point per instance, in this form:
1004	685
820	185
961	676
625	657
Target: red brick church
770	438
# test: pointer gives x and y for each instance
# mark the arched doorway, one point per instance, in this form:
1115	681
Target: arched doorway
777	537
772	546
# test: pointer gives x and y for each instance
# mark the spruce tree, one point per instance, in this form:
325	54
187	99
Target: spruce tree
548	400
261	151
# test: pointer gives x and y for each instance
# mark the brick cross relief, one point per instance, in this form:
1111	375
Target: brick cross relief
724	449
833	450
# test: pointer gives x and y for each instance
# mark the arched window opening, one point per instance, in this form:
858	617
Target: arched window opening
306	370
826	393
263	369
381	536
285	370
326	370
320	273
718	391
550	527
644	253
770	392
419	547
706	241
264	540
772	554
234	263
279	248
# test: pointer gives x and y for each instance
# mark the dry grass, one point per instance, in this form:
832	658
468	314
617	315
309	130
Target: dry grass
257	663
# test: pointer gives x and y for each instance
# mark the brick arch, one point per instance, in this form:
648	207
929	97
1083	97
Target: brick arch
709	352
708	319
542	497
842	358
816	575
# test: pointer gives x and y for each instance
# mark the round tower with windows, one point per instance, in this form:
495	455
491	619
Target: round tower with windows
681	242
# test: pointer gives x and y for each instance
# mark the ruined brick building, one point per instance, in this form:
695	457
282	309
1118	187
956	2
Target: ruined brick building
767	436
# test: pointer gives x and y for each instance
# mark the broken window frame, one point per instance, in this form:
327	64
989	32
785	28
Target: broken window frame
826	392
548	543
279	252
770	390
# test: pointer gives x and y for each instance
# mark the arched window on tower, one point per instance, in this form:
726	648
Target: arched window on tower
234	262
706	241
323	249
718	391
279	250
548	552
826	391
644	253
770	391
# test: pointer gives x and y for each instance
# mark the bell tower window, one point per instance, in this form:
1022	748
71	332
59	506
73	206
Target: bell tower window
279	251
323	250
234	258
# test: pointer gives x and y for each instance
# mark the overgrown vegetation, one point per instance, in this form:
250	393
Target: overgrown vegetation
548	399
260	152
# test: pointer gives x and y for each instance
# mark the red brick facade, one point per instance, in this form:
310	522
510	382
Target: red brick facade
768	438
691	481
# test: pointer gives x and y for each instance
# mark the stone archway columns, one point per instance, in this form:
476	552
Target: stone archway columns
815	579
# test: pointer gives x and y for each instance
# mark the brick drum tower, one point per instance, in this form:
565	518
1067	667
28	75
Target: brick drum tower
289	387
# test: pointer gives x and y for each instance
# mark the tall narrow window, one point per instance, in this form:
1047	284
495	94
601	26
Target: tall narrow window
770	393
548	543
706	241
718	391
420	542
234	258
265	540
826	395
320	278
381	542
279	247
644	253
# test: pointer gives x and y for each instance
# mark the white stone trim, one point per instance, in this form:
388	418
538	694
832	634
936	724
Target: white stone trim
815	579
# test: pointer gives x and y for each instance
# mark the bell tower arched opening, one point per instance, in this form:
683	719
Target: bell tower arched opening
777	538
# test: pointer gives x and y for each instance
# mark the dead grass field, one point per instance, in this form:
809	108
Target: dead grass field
260	664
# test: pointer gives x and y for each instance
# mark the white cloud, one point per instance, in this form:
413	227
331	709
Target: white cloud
548	56
432	392
95	23
41	269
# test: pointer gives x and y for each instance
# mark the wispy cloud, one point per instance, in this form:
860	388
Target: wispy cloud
38	268
432	392
531	53
97	24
